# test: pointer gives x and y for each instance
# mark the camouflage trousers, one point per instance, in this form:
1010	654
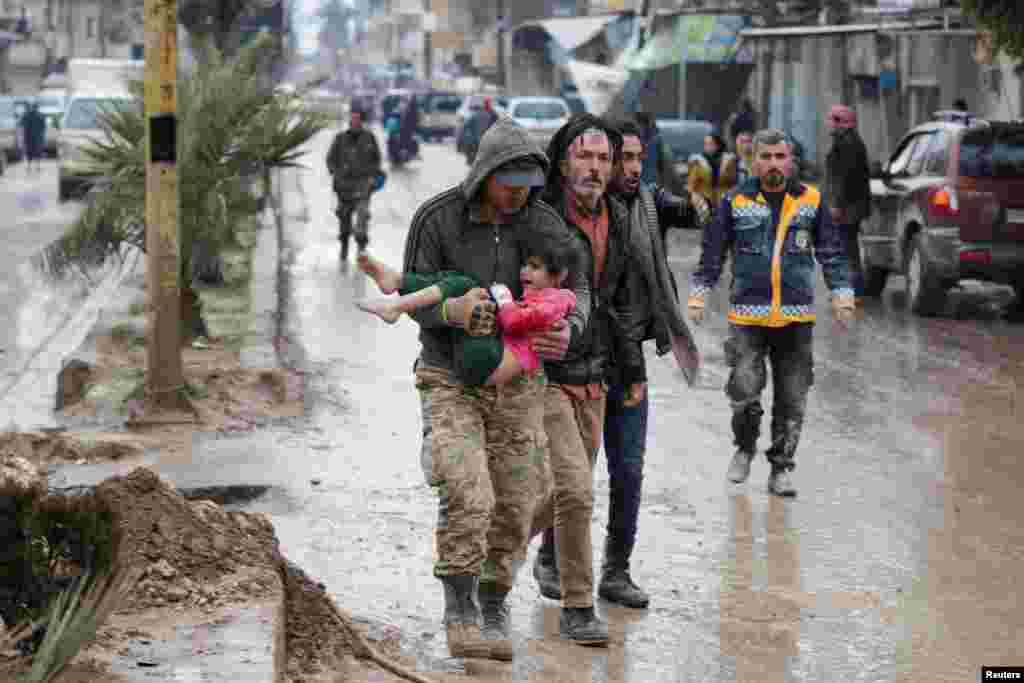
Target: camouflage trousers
488	464
574	427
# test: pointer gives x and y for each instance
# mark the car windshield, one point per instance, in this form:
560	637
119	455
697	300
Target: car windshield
996	152
684	141
49	103
539	110
576	105
447	105
84	113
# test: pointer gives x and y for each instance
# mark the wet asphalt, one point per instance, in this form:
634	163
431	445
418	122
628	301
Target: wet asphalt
899	560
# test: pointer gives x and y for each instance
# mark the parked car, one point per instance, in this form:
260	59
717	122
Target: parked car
684	138
947	206
11	136
439	116
472	104
81	125
540	116
576	104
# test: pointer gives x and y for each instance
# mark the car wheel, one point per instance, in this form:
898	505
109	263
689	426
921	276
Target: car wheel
926	294
874	277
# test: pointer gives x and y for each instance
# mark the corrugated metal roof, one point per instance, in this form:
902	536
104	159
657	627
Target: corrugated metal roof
571	32
839	28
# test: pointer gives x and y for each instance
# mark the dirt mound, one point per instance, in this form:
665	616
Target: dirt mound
324	645
46	449
195	552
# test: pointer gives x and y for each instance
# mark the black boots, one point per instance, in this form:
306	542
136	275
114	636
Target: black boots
582	626
496	621
545	568
616	584
461	617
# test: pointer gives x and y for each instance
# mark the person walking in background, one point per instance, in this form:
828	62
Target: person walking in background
478	124
775	227
712	173
34	124
744	156
744	120
848	186
354	163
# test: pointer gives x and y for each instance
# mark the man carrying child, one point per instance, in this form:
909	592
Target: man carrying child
487	439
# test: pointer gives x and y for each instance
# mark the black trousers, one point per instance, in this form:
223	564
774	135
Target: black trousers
789	351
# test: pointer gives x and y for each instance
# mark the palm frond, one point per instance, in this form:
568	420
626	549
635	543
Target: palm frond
74	619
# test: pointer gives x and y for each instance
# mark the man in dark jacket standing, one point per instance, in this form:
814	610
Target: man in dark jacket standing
848	185
487	445
654	314
354	163
473	131
582	159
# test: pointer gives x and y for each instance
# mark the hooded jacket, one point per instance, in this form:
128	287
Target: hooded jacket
447	234
608	338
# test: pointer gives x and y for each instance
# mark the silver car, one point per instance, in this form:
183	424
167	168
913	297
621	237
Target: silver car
540	116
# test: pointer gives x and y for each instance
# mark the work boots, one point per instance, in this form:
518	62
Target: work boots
780	484
739	468
616	584
545	568
461	617
496	621
582	626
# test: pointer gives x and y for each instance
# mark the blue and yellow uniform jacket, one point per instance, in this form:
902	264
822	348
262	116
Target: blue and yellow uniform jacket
773	255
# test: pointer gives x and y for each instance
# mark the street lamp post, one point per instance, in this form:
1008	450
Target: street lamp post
501	44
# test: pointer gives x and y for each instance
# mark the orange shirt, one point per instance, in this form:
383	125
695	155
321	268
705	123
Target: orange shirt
596	228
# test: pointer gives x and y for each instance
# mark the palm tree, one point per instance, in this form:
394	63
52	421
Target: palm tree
231	131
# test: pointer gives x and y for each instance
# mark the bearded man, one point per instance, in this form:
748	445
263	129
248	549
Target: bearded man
583	155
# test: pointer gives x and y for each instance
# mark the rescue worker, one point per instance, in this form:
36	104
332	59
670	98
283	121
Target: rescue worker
486	442
776	227
582	155
354	163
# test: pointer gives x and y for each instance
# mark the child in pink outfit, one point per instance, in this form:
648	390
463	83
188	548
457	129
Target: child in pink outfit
485	359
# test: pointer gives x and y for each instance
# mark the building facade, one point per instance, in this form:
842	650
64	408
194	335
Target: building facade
52	31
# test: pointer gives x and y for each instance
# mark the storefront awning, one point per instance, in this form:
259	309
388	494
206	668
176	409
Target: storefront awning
708	38
561	36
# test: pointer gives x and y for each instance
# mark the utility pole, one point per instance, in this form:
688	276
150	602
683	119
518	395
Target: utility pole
165	377
428	48
502	82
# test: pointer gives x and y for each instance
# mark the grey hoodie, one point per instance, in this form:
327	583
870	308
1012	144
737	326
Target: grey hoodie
446	234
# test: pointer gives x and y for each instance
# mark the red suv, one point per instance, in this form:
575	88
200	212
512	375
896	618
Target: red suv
948	206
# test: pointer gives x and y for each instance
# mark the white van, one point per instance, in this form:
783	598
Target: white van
80	125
